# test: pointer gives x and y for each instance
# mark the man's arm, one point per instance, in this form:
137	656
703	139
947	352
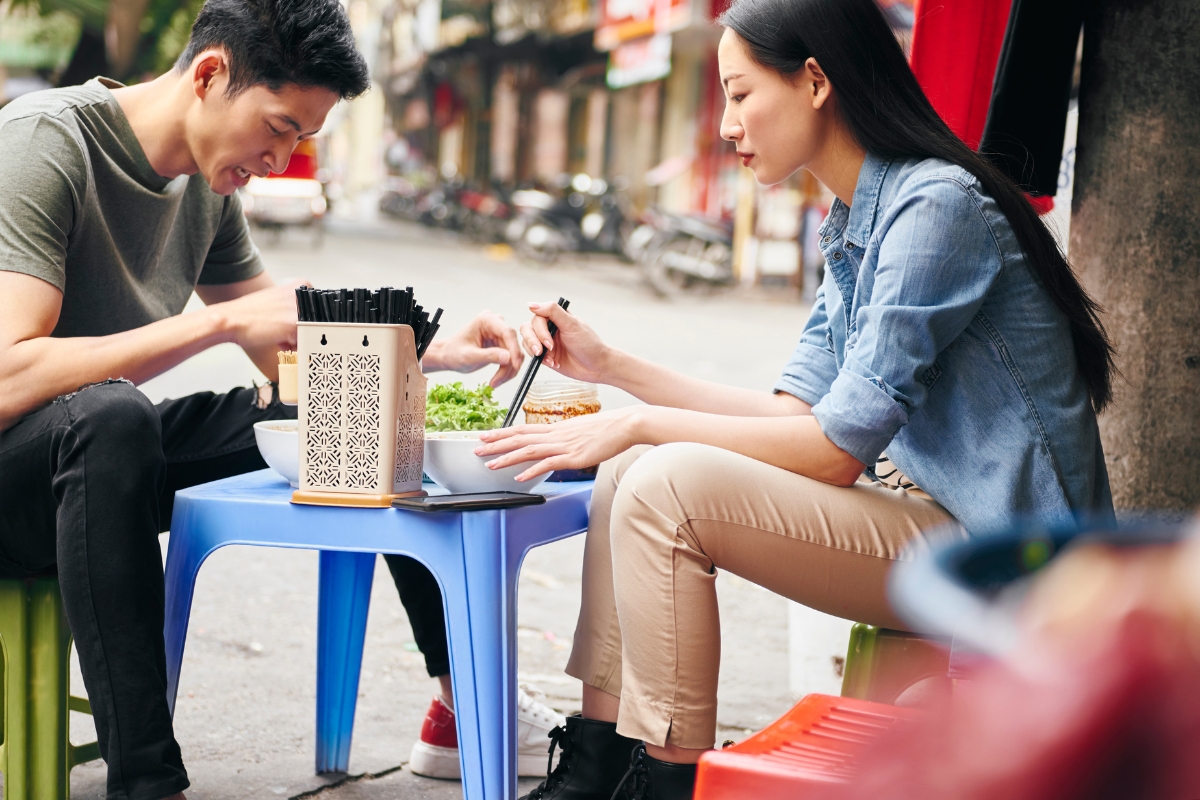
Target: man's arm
35	369
264	356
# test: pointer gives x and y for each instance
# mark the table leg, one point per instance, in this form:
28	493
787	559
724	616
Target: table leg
343	602
187	551
485	684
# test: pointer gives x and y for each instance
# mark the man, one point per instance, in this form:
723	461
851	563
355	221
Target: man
115	204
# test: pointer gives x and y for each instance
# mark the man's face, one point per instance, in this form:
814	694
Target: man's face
253	133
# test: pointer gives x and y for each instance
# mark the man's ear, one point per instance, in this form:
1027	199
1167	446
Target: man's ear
818	86
210	73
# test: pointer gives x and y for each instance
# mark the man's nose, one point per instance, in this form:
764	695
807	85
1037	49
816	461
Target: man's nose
277	157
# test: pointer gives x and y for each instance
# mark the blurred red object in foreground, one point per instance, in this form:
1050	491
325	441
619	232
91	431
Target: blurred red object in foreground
819	742
1102	700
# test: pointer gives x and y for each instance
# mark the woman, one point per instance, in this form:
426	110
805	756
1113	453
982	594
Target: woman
949	330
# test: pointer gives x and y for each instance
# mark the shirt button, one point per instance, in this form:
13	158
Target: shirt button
827	239
849	245
837	256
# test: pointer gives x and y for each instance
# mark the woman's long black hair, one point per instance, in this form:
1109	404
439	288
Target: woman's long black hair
883	106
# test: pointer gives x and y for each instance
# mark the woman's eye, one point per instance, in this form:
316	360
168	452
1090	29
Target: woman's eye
737	98
273	130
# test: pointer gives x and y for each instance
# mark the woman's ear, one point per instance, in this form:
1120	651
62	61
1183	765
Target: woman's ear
816	84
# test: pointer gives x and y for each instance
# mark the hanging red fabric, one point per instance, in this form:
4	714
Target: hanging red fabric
955	47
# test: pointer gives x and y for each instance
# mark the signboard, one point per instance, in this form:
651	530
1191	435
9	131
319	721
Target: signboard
640	61
625	20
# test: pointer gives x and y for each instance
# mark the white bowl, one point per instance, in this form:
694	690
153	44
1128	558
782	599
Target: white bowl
279	443
451	461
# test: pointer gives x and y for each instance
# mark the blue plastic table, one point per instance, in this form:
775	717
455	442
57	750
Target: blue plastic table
475	557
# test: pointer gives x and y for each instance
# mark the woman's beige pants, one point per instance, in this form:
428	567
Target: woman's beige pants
664	519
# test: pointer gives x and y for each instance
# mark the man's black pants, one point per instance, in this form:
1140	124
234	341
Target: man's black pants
86	485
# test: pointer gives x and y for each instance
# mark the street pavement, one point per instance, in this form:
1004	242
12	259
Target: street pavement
245	713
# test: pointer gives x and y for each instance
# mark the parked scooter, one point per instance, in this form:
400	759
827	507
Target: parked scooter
588	217
686	252
488	212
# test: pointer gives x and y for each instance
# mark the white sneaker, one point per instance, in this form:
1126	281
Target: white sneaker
435	753
535	720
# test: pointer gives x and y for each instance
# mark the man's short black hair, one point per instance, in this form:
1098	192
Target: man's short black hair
276	42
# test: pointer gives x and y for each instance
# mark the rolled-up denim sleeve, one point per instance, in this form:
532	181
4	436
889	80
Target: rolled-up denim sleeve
812	368
937	259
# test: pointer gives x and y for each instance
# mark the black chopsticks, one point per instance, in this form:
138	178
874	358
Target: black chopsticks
385	306
530	371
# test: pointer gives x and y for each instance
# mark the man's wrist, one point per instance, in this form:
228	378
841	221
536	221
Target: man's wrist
220	327
433	361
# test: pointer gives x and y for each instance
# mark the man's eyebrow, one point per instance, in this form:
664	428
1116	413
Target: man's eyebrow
296	125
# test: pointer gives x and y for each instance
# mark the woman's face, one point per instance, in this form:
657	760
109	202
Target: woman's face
778	124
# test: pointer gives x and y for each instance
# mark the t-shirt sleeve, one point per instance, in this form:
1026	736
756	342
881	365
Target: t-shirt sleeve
42	178
232	257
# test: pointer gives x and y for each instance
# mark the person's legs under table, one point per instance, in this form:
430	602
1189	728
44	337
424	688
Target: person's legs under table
86	485
663	521
79	487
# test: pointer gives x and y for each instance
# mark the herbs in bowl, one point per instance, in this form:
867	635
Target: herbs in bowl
451	407
454	416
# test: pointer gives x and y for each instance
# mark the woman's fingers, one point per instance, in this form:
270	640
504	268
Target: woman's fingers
530	340
500	434
531	452
545	465
542	314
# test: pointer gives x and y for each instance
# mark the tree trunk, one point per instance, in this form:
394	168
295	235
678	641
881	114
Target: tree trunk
1135	239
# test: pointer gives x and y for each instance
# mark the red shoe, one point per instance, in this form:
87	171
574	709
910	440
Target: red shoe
435	754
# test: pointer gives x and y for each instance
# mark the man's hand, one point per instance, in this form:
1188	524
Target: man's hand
487	339
259	317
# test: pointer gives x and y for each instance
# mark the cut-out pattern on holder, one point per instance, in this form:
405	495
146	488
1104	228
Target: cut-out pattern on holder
362	452
410	440
410	447
323	428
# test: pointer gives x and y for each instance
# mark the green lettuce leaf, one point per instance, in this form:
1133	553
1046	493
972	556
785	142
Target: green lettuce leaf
450	407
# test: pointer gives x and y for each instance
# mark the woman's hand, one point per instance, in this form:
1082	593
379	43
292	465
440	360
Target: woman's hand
575	351
571	444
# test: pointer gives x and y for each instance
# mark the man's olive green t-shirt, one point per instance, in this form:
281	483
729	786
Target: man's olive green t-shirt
81	208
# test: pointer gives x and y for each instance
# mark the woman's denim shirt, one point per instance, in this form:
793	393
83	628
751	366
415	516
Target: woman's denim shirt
931	339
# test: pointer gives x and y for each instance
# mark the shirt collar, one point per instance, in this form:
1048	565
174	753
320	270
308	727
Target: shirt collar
859	219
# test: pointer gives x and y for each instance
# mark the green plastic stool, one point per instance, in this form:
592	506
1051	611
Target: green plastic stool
881	663
36	754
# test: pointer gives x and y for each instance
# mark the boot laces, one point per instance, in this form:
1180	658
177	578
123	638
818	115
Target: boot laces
636	782
555	776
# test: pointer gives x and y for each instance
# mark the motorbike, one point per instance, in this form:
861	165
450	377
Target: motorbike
488	212
400	198
589	216
686	251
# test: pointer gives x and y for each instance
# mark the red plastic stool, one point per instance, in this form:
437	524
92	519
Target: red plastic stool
816	744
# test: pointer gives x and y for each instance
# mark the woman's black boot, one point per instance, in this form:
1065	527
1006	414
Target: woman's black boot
650	779
594	757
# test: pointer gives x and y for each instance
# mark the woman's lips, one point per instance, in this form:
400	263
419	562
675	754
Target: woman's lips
746	158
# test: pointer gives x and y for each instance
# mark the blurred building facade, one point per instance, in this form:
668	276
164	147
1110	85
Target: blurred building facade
525	91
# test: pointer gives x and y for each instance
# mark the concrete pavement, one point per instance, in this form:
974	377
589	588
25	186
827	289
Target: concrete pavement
245	714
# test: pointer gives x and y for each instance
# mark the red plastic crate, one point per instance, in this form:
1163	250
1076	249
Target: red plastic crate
817	743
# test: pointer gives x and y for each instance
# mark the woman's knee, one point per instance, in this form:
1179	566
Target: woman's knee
653	489
662	470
